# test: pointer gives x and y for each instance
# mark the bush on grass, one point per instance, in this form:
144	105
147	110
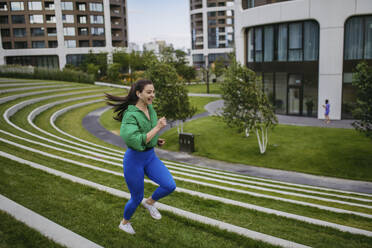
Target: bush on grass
16	71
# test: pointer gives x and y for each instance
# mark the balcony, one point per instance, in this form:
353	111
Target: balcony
116	2
115	12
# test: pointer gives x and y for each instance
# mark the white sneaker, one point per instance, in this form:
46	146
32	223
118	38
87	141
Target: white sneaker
127	228
153	211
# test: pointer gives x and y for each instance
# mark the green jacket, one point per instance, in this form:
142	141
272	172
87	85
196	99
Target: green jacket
135	126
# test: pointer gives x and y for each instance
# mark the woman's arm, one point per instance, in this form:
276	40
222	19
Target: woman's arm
162	122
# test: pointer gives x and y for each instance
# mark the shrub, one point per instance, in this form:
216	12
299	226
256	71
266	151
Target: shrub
16	71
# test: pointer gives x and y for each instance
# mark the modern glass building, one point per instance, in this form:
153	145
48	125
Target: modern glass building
212	30
305	51
51	33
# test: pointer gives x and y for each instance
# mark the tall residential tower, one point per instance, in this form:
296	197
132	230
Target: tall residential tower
212	30
53	32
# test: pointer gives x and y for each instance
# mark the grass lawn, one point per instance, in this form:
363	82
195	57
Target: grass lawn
331	152
214	88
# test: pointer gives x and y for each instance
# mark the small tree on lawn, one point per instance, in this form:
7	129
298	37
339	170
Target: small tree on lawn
362	80
246	105
171	97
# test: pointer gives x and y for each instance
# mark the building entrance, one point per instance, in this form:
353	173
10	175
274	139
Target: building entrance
294	94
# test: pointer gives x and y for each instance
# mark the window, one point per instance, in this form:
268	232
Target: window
3	7
282	42
248	4
268	43
358	38
295	42
229	21
97	31
34	6
82	19
81	6
311	37
67	6
211	4
96	19
19	32
37	31
98	43
83	31
83	43
7	45
52	32
38	44
70	43
258	44
212	22
52	44
69	31
230	13
5	32
96	7
250	45
221	13
211	14
18	19
20	44
16	6
68	18
4	20
221	21
36	19
49	6
50	19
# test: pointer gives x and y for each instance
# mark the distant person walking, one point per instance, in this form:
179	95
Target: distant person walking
326	111
139	129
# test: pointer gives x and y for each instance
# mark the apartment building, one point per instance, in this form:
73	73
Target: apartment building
305	51
212	30
51	33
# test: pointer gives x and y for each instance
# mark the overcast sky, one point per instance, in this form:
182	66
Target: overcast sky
168	20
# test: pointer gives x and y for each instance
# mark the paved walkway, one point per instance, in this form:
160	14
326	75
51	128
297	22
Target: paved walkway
91	123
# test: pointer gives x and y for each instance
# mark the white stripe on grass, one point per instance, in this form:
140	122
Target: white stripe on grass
46	227
186	214
26	84
211	197
31	88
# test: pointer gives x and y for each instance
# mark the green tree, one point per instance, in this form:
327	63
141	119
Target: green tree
246	105
362	80
219	67
187	72
113	72
171	97
122	58
99	60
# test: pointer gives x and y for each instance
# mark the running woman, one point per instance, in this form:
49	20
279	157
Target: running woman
139	129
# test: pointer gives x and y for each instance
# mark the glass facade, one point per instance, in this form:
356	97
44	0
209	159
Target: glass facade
358	46
38	61
286	56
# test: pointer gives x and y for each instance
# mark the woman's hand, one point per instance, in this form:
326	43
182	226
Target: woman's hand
162	122
161	142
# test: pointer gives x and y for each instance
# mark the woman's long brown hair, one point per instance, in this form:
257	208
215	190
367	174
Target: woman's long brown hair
121	103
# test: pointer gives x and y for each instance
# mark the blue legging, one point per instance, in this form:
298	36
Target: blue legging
136	164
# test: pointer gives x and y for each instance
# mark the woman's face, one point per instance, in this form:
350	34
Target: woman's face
147	95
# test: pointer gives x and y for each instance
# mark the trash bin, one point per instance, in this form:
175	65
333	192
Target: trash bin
186	141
